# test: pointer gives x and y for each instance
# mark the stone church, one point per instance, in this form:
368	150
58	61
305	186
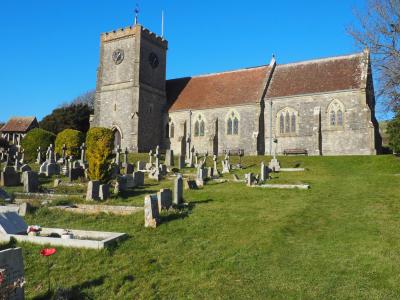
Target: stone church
322	106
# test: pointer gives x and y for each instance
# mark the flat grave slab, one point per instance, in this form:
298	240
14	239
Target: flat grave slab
292	169
95	209
284	186
12	223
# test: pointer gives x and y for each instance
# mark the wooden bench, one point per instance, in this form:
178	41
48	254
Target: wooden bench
295	152
235	152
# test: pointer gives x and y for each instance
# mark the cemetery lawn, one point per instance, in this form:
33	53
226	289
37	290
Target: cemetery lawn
338	240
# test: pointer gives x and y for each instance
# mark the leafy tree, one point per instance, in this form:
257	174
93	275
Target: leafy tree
99	142
75	116
393	130
378	29
72	139
36	138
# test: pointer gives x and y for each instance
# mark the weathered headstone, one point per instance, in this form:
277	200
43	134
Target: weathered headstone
138	178
169	157
57	182
274	165
129	168
12	223
151	215
181	162
12	269
25	167
190	184
263	172
178	190
104	191
164	198
93	190
249	179
76	173
141	165
31	181
9	177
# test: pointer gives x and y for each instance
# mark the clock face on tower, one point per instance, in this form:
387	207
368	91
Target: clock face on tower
153	60
118	56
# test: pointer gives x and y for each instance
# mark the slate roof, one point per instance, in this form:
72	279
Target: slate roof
19	124
217	90
317	76
246	85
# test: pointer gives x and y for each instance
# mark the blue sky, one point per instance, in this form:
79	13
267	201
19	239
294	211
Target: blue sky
50	49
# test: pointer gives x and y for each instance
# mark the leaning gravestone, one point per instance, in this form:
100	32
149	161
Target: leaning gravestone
12	267
93	190
12	223
178	190
164	198
151	216
31	181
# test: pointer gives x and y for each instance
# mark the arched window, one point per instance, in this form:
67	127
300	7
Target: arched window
171	130
229	127
339	118
335	114
202	125
333	118
196	128
281	123
286	121
167	130
235	126
293	123
232	123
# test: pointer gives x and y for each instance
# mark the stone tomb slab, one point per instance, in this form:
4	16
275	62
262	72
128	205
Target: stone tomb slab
12	223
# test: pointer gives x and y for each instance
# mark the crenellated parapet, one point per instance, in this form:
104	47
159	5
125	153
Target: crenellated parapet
132	31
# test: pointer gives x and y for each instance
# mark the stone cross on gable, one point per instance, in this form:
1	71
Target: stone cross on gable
83	152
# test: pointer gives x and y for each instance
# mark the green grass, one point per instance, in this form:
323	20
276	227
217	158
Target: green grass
338	240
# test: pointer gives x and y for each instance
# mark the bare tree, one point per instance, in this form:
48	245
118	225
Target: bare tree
378	29
86	98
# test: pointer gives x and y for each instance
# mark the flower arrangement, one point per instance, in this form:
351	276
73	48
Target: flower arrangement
34	230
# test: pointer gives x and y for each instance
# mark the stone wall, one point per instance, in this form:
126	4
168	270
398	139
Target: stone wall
216	136
314	133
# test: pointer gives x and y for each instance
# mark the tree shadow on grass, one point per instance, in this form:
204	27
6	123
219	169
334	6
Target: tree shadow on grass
135	192
180	212
72	293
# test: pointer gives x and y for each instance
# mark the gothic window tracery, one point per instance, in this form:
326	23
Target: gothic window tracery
335	114
232	123
199	126
286	121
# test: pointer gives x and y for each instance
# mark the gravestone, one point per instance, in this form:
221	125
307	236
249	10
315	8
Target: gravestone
151	215
56	182
83	163
155	174
249	179
274	165
264	172
76	173
178	190
181	162
9	177
12	267
104	191
129	168
169	158
122	184
93	190
4	195
31	181
210	172
129	180
39	159
164	198
24	168
201	176
138	178
190	184
141	165
163	169
12	223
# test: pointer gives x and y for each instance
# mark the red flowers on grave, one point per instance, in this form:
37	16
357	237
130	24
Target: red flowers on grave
48	251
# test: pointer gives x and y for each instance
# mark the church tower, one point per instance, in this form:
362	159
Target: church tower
130	89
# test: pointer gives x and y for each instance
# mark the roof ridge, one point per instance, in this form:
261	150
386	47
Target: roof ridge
323	59
223	72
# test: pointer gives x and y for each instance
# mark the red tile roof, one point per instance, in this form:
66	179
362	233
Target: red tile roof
317	76
246	85
217	90
19	124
